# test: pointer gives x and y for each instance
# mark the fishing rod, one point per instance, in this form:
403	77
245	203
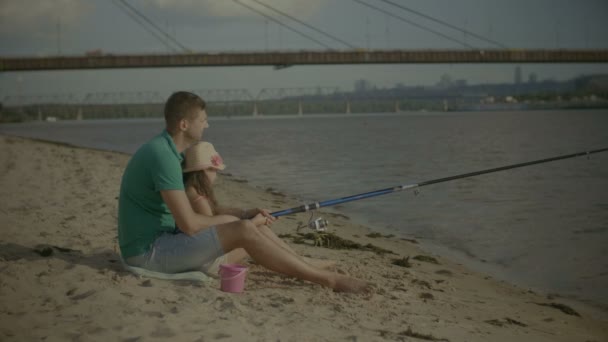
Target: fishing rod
317	205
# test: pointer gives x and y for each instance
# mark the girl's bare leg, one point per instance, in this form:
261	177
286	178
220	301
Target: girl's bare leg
239	254
266	252
315	262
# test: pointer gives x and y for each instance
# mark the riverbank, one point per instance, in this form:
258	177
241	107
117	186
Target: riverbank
60	275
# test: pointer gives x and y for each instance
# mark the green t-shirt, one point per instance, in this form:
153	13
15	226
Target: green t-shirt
142	213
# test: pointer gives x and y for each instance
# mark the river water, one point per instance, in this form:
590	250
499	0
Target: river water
543	227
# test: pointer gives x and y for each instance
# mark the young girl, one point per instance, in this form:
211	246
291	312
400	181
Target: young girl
200	172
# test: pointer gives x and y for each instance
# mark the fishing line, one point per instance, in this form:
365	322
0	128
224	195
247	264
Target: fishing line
317	205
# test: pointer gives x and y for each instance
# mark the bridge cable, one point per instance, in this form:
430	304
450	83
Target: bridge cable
168	36
487	40
283	24
416	24
143	25
305	24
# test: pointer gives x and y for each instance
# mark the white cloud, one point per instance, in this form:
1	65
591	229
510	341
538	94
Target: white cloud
31	15
230	8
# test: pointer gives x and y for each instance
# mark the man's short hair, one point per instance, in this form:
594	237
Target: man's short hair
181	105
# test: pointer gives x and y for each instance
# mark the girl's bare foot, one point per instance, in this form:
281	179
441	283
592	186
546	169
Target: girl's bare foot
351	285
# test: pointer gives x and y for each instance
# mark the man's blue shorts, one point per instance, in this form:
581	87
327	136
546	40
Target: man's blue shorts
175	253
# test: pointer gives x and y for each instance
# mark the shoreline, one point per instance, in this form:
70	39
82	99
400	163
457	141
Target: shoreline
64	196
53	120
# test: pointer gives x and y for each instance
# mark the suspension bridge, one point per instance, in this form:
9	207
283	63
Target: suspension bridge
474	48
286	59
477	48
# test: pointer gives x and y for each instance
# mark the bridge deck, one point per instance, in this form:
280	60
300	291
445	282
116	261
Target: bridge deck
284	59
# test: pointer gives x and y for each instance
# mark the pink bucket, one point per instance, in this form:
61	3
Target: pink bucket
232	277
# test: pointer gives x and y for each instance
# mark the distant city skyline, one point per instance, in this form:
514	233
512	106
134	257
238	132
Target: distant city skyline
74	27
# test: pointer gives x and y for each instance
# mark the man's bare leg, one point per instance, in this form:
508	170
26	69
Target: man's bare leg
266	252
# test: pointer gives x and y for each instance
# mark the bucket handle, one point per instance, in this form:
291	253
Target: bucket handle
230	278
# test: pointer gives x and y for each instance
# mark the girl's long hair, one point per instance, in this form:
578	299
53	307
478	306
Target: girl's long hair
202	185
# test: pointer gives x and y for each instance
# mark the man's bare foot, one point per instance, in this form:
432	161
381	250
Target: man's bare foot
351	285
320	263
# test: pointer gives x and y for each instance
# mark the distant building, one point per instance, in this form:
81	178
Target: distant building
445	81
532	78
362	86
460	83
518	75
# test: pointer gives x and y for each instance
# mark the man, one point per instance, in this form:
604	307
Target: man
153	203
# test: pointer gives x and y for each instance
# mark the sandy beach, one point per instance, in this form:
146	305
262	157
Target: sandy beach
61	278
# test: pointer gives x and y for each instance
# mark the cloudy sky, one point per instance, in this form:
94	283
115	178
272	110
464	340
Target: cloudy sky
72	27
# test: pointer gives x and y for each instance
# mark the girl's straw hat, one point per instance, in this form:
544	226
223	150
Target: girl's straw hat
202	156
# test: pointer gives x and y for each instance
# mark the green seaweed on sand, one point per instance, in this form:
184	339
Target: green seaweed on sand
275	192
421	283
562	307
426	258
373	235
410	333
426	295
403	262
377	235
444	272
47	250
512	321
507	320
333	241
495	322
44	251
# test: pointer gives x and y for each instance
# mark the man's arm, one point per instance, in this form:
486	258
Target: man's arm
188	221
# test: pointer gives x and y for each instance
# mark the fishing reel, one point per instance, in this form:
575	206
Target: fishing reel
319	224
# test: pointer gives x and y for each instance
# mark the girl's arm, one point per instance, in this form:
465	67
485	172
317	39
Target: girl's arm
201	205
189	221
248	214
